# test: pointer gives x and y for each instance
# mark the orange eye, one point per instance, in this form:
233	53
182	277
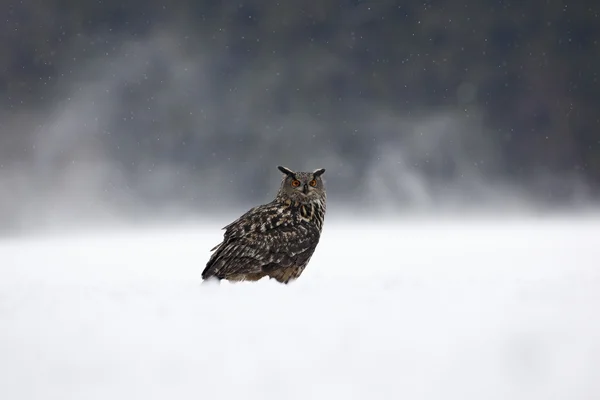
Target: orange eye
313	183
295	183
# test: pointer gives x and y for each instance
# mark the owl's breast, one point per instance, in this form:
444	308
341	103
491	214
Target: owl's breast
312	213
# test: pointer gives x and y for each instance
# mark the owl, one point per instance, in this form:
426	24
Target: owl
276	239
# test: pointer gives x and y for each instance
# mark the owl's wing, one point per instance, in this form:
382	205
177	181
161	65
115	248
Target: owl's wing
244	223
261	241
257	219
238	228
258	253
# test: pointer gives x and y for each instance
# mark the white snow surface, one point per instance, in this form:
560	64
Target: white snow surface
408	309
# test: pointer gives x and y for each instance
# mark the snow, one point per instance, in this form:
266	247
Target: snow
411	309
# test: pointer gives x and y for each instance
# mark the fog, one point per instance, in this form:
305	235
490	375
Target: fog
155	129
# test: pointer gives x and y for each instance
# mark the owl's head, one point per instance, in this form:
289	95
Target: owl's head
302	186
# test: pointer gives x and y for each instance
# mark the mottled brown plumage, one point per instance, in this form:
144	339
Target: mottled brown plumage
276	239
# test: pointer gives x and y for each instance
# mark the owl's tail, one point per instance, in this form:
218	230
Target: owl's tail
210	269
211	265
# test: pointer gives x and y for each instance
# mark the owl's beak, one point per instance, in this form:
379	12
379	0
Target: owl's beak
305	189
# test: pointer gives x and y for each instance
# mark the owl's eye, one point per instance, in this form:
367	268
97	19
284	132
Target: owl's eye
313	183
295	183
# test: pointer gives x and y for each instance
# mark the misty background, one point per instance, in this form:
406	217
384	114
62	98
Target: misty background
140	110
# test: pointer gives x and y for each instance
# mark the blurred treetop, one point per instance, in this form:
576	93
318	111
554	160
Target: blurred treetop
531	66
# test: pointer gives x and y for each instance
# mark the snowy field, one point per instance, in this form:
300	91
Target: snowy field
415	309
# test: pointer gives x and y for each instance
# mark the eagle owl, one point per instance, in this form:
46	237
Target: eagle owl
276	239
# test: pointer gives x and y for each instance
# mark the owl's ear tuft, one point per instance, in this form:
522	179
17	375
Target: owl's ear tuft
318	172
286	171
